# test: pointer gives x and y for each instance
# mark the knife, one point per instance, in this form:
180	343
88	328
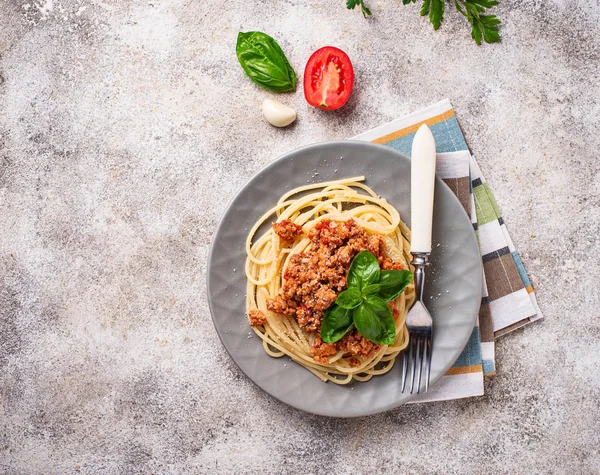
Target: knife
418	320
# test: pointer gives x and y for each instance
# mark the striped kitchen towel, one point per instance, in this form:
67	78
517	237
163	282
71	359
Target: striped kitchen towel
508	300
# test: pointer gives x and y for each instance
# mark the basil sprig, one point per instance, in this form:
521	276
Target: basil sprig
364	303
264	62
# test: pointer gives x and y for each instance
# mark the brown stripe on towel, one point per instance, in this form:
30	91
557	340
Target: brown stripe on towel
511	328
460	187
502	276
486	324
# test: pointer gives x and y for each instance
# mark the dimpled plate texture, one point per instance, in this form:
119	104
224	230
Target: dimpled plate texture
452	287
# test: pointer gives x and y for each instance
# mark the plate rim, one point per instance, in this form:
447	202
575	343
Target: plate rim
265	169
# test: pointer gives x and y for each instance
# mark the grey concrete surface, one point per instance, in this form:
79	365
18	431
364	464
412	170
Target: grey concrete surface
125	128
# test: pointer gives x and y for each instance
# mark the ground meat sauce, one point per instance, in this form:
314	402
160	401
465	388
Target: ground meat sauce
287	230
256	318
313	280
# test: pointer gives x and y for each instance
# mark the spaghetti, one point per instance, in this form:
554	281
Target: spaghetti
344	202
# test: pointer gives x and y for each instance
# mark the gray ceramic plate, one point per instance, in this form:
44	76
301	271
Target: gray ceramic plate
453	279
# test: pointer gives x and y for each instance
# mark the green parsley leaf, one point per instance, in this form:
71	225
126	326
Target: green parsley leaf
483	26
425	8
436	13
484	3
350	4
435	10
486	25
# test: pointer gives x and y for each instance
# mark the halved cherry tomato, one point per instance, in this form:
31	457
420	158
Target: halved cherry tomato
328	78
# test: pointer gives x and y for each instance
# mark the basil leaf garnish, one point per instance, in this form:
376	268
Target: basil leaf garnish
374	320
336	322
393	283
363	271
349	298
364	303
371	289
264	62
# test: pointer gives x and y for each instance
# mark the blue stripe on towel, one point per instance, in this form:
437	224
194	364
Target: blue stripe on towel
521	269
448	138
471	355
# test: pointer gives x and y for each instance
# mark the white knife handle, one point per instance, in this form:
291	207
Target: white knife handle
422	177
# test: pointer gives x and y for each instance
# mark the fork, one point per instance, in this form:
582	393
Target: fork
418	321
420	326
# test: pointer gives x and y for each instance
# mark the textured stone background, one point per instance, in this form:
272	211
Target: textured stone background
125	128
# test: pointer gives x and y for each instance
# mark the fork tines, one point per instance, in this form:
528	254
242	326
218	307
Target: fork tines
418	351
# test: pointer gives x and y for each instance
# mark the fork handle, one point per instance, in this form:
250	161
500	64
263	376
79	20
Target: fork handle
422	179
420	260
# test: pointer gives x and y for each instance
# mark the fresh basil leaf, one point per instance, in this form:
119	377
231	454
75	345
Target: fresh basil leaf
363	271
349	298
393	283
264	62
371	289
374	320
336	323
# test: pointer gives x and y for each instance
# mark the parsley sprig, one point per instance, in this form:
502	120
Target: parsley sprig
364	303
483	25
350	4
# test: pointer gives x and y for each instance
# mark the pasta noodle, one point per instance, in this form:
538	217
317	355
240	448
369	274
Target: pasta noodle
268	256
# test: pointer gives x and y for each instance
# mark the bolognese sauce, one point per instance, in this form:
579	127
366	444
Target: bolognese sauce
314	278
256	317
287	230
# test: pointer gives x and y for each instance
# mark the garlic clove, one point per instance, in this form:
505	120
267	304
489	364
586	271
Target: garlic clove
278	114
